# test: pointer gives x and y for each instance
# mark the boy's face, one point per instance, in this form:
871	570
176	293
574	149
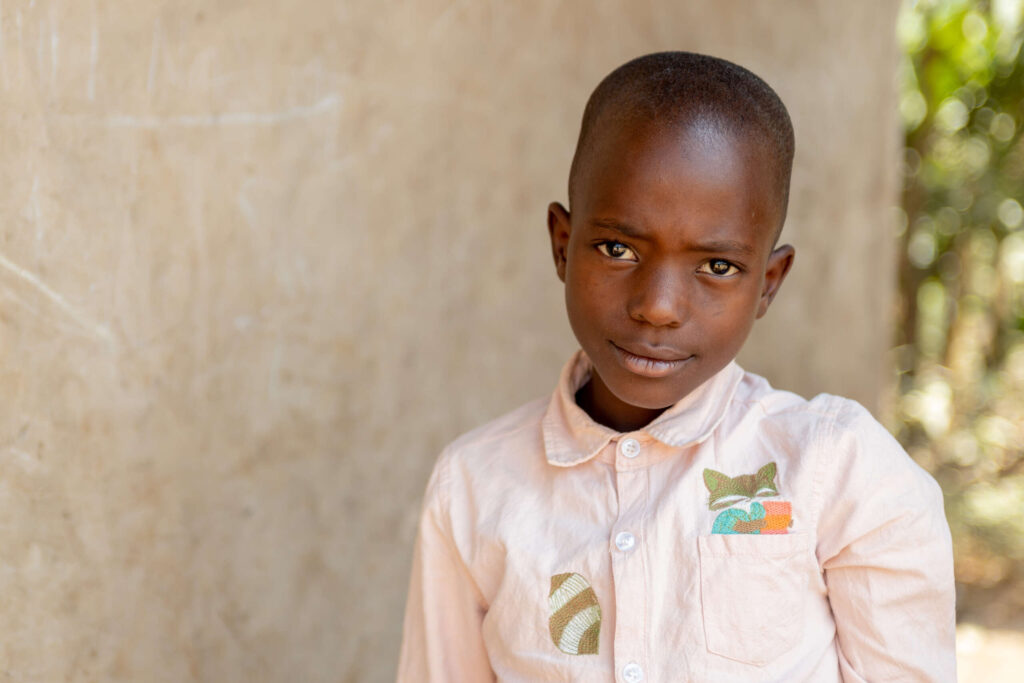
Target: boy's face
667	260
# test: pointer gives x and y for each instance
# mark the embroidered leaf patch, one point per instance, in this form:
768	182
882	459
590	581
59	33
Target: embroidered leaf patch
725	491
575	620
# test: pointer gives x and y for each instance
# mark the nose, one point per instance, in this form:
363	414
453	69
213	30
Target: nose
659	295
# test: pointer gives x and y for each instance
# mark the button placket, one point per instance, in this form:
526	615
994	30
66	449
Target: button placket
628	573
629	448
632	673
625	541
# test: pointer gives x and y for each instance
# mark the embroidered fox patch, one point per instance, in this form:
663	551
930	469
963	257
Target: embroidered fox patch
726	491
575	620
769	517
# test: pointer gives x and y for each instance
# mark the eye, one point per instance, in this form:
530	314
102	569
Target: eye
718	267
616	250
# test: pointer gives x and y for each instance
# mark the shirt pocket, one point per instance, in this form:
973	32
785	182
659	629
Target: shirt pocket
753	591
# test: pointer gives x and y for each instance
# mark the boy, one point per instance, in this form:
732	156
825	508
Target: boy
665	516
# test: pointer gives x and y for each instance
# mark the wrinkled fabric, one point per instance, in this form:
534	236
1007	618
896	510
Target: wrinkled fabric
744	535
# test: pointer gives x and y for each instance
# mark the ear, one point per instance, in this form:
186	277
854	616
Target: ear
559	228
767	473
715	480
779	263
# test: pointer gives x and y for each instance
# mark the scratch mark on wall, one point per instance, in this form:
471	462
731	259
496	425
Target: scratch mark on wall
3	60
548	12
40	48
28	462
274	371
34	211
238	118
154	57
60	324
21	45
94	55
202	308
54	47
11	296
98	330
246	207
442	20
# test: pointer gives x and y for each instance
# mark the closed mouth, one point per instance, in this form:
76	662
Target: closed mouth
649	366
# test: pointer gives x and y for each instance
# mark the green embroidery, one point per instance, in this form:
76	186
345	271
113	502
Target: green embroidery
727	491
575	620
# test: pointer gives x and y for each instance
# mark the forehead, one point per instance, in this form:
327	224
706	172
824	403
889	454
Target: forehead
679	179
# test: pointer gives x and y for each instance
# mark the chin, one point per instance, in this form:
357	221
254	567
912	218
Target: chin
634	393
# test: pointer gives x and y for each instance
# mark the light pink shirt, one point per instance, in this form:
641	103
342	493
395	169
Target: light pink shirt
552	548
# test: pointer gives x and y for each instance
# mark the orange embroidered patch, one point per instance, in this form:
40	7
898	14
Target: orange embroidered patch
778	516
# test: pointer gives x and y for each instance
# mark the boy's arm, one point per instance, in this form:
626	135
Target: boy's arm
884	545
442	640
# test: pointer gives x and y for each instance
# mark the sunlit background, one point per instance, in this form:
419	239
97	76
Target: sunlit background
960	332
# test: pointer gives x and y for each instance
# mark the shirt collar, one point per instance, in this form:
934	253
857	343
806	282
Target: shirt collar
571	437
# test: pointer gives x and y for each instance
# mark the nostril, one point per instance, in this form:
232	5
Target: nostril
659	301
658	311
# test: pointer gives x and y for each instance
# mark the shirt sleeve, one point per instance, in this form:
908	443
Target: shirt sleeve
885	548
442	638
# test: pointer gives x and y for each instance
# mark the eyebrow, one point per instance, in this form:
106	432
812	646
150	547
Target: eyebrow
711	246
730	246
624	228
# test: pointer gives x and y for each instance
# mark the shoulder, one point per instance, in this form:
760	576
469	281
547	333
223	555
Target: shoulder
791	418
494	445
475	473
830	417
852	438
859	475
521	424
755	392
839	433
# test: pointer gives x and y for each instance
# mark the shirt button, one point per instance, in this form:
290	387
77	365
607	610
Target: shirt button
625	541
632	673
630	448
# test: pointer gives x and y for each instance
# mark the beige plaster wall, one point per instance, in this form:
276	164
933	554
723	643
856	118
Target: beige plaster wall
259	260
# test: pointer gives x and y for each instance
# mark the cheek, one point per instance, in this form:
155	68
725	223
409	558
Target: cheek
588	287
586	304
590	302
728	317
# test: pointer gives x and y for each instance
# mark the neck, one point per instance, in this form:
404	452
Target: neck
607	409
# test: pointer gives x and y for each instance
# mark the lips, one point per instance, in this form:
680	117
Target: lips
650	362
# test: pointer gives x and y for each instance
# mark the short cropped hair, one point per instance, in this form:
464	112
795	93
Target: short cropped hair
675	88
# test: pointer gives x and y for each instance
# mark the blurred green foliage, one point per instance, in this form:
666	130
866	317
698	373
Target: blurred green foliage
960	351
